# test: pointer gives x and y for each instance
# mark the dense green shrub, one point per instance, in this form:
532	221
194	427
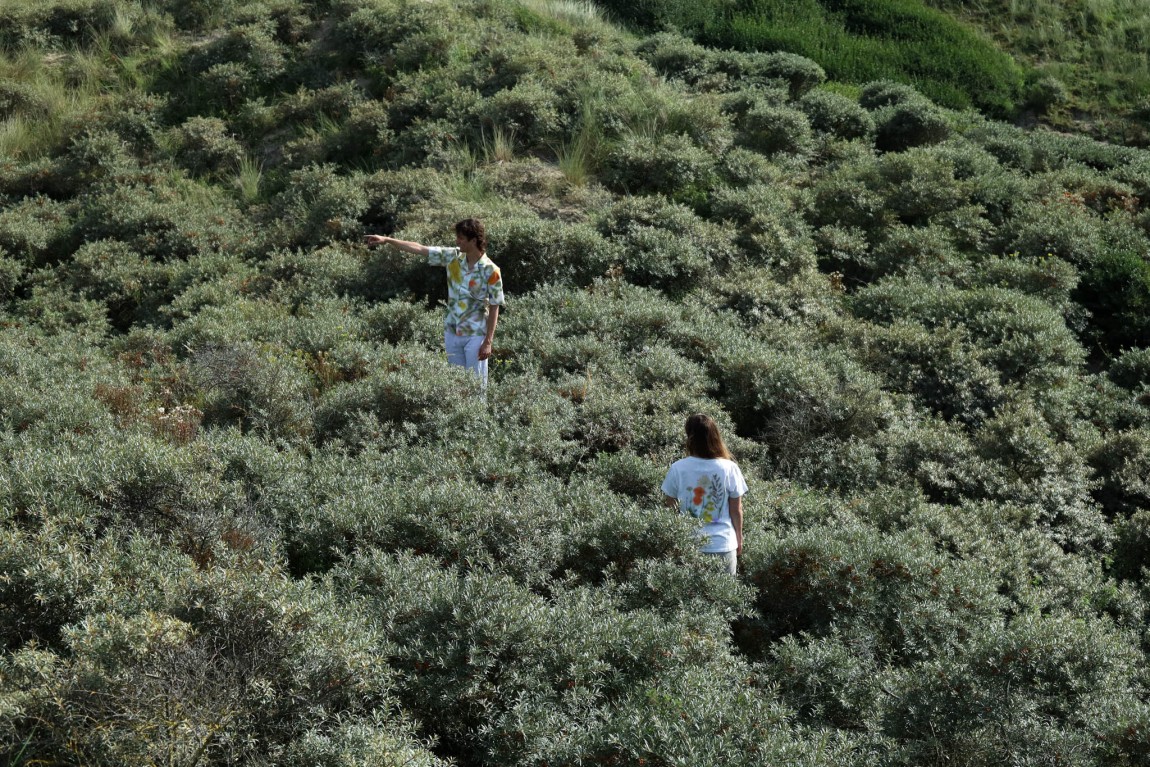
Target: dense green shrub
776	130
148	681
887	93
530	112
772	231
433	95
132	287
1115	289
234	67
848	209
319	206
54	311
1023	337
405	391
1130	547
35	230
664	245
797	401
58	23
674	15
671	164
205	146
393	195
12	275
1132	369
18	99
801	74
740	166
941	367
1051	279
673	55
1061	227
531	658
724	70
533	252
299	277
910	124
918	187
166	222
455	521
265	389
1038	680
408	35
836	114
1122	462
908	249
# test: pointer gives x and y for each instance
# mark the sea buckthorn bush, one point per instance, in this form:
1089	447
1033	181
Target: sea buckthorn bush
205	146
264	388
887	93
664	244
132	287
57	23
773	232
533	252
671	164
776	130
320	206
530	111
910	124
836	114
1025	339
35	230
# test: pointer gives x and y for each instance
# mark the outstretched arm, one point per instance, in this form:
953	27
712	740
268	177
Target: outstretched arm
404	245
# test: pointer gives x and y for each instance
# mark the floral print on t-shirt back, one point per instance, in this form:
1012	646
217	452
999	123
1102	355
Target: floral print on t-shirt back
706	498
469	291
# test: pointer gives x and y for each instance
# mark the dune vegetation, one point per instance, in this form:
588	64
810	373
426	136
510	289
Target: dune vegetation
249	515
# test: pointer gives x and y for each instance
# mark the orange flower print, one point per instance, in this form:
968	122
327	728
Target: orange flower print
698	499
471	291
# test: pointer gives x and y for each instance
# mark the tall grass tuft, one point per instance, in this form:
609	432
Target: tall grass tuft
249	180
498	146
42	95
570	11
579	158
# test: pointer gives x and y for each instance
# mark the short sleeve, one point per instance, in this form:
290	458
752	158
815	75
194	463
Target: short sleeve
736	485
670	486
437	256
495	287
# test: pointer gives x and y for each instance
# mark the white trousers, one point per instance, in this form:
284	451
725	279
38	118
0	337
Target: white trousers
464	351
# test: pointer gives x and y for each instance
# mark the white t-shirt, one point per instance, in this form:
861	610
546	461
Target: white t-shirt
703	487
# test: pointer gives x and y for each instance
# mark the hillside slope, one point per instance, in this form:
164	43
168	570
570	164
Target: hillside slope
249	515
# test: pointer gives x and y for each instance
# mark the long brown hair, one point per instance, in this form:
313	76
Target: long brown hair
703	438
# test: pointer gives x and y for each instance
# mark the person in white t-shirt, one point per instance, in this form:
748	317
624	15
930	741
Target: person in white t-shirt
709	486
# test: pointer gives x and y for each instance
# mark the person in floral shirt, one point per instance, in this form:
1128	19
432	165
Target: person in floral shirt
474	293
709	486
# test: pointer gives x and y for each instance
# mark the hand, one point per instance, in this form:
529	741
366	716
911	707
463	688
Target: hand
375	239
484	350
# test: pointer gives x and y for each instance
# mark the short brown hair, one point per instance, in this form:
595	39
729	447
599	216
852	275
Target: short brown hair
472	229
703	438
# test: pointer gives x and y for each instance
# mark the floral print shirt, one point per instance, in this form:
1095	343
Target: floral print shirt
704	487
470	290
